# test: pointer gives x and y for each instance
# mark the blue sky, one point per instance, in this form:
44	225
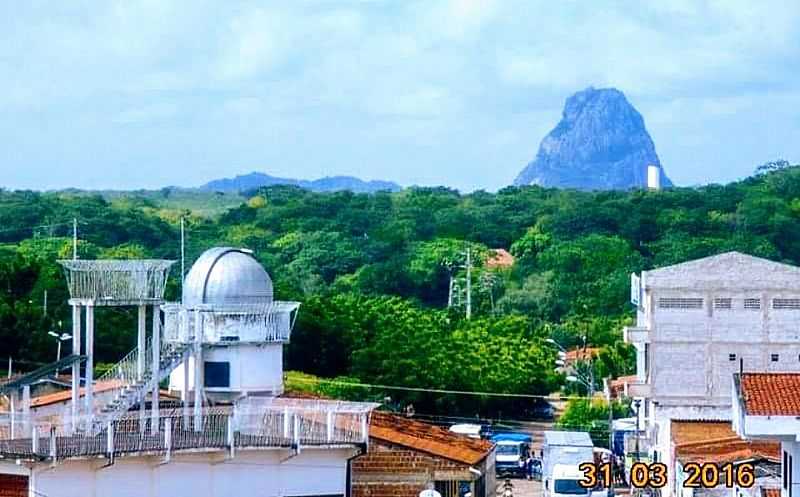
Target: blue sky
142	94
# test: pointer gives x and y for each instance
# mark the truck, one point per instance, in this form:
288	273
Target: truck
511	453
562	454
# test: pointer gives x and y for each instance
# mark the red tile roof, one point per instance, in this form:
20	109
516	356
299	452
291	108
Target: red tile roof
617	385
770	492
499	258
66	395
771	394
716	442
427	438
582	354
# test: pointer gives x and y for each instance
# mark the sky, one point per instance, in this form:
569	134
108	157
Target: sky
148	93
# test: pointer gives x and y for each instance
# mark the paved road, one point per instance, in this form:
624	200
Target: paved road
523	488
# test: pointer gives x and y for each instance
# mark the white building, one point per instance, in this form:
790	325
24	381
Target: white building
767	407
697	324
221	349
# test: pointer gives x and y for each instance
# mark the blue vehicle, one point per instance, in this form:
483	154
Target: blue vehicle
511	453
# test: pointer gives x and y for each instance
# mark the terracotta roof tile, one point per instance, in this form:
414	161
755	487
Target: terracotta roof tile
427	438
499	258
770	492
66	395
716	442
582	354
771	394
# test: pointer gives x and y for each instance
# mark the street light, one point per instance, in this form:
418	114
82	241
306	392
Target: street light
578	376
61	338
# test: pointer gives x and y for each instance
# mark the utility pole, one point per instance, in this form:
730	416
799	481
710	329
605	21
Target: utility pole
613	457
469	283
74	238
183	254
10	364
45	303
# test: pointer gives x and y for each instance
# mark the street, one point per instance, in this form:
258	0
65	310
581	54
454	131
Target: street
522	487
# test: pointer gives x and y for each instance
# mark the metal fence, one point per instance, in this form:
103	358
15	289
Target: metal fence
287	424
230	323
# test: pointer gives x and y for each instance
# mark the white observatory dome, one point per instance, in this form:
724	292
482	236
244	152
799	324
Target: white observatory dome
227	276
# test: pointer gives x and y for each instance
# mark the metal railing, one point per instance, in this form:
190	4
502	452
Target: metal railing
133	384
230	323
220	428
116	280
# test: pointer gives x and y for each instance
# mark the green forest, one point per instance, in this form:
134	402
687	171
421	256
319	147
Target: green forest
373	272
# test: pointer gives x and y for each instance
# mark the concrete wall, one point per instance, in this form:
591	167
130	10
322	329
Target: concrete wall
394	471
793	487
690	349
253	368
251	473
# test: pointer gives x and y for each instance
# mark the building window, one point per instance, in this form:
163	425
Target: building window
784	471
791	304
774	357
731	357
680	303
752	303
217	374
723	303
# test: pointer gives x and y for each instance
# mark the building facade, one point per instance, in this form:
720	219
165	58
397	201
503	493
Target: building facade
407	457
697	324
766	406
221	348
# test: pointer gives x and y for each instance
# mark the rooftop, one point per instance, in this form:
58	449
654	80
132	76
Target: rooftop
500	259
771	394
581	354
725	270
424	437
716	442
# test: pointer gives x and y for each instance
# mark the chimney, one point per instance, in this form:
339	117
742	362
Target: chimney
653	177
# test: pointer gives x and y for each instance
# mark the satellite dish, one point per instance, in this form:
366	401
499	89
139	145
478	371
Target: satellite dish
430	493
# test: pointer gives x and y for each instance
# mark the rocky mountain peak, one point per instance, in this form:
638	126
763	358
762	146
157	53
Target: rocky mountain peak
601	143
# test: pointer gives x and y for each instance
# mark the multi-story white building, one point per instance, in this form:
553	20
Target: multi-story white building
221	347
697	324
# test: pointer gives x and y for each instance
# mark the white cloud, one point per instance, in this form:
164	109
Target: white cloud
421	77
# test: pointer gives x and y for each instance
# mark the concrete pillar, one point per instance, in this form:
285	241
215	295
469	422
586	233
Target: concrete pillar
185	393
198	371
89	388
26	410
13	400
141	355
156	366
140	342
76	367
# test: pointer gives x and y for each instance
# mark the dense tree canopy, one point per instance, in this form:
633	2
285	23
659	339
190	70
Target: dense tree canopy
374	271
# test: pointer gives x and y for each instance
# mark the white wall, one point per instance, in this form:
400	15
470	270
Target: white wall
254	368
250	473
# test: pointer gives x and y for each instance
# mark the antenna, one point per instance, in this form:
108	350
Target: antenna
183	254
469	283
74	238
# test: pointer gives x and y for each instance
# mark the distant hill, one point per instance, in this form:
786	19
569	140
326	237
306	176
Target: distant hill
328	184
600	144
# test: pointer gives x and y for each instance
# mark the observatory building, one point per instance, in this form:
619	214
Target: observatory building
221	349
228	307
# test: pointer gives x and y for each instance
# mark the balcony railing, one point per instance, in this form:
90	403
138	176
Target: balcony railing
219	324
639	389
281	423
116	282
636	334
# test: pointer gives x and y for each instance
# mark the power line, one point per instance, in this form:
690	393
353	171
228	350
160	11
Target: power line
432	390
